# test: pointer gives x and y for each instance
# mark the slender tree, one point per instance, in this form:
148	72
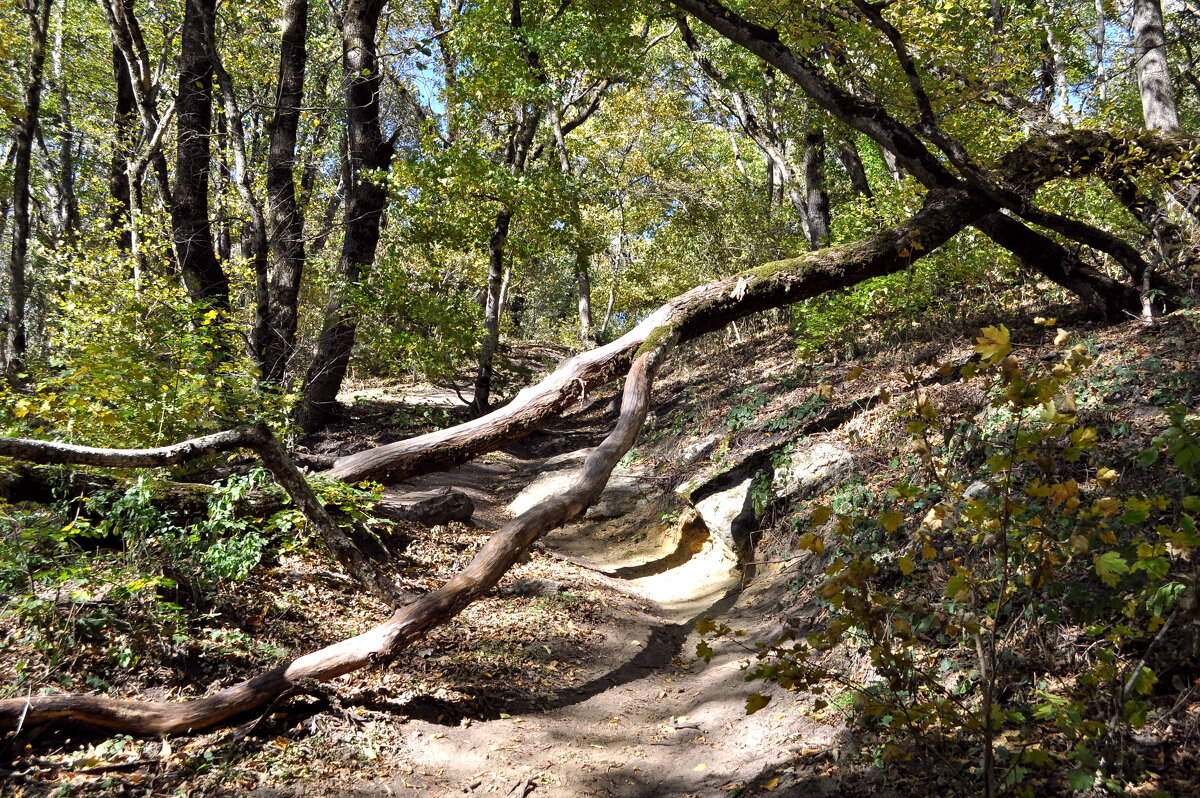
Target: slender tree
285	222
37	14
124	124
1150	64
191	228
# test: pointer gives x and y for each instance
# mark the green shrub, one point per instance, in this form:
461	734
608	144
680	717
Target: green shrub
979	569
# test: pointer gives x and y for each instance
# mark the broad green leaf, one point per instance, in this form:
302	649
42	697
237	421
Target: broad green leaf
755	702
1109	567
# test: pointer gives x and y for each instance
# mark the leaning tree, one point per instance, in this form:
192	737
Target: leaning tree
907	103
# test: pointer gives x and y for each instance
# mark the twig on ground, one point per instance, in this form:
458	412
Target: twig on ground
524	787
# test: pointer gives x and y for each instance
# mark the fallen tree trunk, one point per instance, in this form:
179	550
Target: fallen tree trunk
385	641
708	307
189	501
274	457
701	310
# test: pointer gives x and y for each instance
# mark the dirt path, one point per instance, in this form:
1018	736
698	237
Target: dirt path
652	720
656	723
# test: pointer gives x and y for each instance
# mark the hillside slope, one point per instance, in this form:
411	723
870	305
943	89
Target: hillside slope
758	482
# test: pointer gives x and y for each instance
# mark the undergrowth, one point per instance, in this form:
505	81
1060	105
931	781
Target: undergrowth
121	580
1019	598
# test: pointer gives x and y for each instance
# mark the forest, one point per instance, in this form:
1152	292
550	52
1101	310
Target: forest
578	397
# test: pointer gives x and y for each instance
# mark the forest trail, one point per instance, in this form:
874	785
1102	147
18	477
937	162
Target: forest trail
652	719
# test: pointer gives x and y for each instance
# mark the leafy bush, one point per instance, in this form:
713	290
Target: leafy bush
131	366
115	578
980	570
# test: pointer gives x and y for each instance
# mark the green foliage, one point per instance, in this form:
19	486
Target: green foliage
412	320
945	589
123	576
741	416
129	366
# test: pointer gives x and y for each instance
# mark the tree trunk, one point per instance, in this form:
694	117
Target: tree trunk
367	154
191	228
1150	64
37	13
253	238
583	279
67	146
1101	80
893	166
1189	67
1057	67
285	221
848	155
488	346
814	187
127	39
711	306
1157	93
124	117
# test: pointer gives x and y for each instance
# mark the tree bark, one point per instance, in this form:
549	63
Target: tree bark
1159	109
121	211
517	157
774	148
254	244
37	13
368	154
127	39
67	140
583	282
850	158
814	188
191	228
1101	40
1150	64
490	343
1056	65
583	255
285	221
902	142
